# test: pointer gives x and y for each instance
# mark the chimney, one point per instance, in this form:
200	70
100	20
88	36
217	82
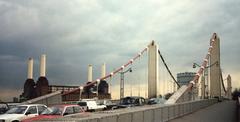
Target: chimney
90	73
103	70
43	66
30	68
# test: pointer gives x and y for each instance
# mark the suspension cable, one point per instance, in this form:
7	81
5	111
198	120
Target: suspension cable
167	68
222	81
113	72
204	63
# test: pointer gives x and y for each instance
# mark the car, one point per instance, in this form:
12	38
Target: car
108	103
156	101
20	112
91	105
3	107
132	101
57	111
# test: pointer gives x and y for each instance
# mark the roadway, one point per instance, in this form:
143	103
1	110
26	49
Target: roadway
220	112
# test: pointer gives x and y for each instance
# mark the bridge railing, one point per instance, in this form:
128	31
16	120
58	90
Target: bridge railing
155	113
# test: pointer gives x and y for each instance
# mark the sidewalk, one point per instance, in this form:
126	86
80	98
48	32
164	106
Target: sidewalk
225	111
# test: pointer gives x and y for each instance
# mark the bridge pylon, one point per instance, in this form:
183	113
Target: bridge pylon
229	87
215	71
215	75
153	70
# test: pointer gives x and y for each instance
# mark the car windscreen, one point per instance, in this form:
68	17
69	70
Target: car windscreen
55	110
82	104
17	110
127	101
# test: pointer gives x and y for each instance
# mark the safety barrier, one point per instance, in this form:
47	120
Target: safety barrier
154	113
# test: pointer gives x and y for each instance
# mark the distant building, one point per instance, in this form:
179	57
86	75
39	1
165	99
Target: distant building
15	99
185	78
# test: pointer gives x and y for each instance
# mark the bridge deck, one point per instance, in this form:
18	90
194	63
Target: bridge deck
221	112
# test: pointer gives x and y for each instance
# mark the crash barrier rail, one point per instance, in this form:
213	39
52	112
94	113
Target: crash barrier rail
151	113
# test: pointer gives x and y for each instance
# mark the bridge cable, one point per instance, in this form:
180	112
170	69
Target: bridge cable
168	68
222	82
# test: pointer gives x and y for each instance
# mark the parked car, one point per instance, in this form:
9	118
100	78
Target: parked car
156	101
20	112
91	105
108	103
3	107
12	105
58	111
127	102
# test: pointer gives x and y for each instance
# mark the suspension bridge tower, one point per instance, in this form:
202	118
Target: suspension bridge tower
229	87
215	71
153	71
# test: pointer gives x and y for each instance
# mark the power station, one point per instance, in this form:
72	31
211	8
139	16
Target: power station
41	87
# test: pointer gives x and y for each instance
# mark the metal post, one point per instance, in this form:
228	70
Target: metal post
122	85
98	81
80	92
122	82
206	82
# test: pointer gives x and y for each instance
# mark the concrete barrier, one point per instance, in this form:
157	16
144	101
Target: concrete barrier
108	119
156	113
126	117
137	116
148	115
164	113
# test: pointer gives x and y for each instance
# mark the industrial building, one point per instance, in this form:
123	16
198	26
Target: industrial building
69	93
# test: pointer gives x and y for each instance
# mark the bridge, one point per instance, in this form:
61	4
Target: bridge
186	103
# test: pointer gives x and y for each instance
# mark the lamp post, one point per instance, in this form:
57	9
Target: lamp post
205	74
80	92
98	81
122	81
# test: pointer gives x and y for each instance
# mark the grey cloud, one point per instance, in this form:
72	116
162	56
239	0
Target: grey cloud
75	33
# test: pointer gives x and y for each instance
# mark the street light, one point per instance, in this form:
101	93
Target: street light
122	81
197	65
80	92
205	74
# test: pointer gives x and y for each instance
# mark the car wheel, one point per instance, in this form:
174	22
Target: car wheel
15	121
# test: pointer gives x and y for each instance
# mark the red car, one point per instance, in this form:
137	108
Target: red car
58	111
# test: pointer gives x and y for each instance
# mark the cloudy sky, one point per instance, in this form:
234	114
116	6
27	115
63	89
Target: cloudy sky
75	33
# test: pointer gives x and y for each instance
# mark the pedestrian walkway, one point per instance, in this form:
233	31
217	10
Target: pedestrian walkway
225	111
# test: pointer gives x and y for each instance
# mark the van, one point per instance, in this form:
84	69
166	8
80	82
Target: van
91	105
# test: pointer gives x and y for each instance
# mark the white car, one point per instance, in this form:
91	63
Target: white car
20	112
91	105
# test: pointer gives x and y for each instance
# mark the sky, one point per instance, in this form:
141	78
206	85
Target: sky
76	33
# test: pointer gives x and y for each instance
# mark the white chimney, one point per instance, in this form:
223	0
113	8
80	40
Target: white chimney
90	73
103	70
43	66
30	68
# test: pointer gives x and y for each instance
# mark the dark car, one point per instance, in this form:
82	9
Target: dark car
3	107
156	101
127	102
